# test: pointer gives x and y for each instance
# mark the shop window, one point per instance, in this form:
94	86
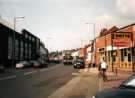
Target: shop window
113	58
129	57
122	55
125	52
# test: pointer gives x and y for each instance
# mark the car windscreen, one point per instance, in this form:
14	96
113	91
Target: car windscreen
79	60
130	82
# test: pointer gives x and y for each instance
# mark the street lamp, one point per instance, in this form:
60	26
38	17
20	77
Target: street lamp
94	58
15	18
13	56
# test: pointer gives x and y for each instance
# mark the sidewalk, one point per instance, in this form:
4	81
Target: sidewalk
81	86
113	80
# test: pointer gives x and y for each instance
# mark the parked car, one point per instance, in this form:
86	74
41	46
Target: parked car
23	64
125	90
78	63
36	64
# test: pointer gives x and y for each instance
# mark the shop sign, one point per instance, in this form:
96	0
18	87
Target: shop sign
119	43
122	36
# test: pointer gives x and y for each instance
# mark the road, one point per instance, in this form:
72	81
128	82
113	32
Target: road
36	83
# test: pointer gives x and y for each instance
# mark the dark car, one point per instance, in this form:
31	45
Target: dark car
125	90
78	63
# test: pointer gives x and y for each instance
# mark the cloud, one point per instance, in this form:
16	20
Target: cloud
104	18
126	8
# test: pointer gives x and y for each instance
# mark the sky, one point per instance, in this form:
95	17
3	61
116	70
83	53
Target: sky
62	24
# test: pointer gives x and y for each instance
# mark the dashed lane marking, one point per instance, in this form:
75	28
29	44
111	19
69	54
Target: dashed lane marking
8	77
28	73
75	74
31	72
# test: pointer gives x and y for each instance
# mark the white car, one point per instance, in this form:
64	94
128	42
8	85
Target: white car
23	64
19	65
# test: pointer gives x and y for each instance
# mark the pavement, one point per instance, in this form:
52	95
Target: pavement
87	83
82	86
113	79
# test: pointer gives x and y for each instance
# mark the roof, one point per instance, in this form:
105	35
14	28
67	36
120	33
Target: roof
111	30
127	26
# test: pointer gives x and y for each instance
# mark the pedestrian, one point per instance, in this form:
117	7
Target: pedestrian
103	69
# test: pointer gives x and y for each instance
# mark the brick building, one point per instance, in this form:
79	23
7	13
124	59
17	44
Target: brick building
117	47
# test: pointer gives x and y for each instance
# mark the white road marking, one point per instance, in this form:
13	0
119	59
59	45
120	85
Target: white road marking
75	74
31	72
8	77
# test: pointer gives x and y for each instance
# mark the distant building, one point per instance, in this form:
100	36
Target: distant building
44	54
15	46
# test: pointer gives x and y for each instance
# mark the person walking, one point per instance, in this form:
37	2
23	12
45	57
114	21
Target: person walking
103	69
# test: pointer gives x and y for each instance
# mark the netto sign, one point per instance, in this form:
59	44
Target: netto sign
122	36
121	39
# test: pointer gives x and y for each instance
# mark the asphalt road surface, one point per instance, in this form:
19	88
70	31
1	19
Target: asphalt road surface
35	83
50	82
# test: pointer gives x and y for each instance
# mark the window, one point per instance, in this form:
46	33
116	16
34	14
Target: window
29	51
21	51
122	55
113	58
16	49
10	47
26	35
26	50
125	52
129	57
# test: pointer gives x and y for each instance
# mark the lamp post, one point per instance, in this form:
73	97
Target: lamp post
94	58
13	49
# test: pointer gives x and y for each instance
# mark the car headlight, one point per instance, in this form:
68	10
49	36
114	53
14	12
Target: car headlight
93	97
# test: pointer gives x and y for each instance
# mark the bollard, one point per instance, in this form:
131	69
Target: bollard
116	72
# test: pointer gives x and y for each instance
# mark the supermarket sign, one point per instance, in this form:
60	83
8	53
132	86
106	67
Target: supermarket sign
122	35
119	43
122	39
